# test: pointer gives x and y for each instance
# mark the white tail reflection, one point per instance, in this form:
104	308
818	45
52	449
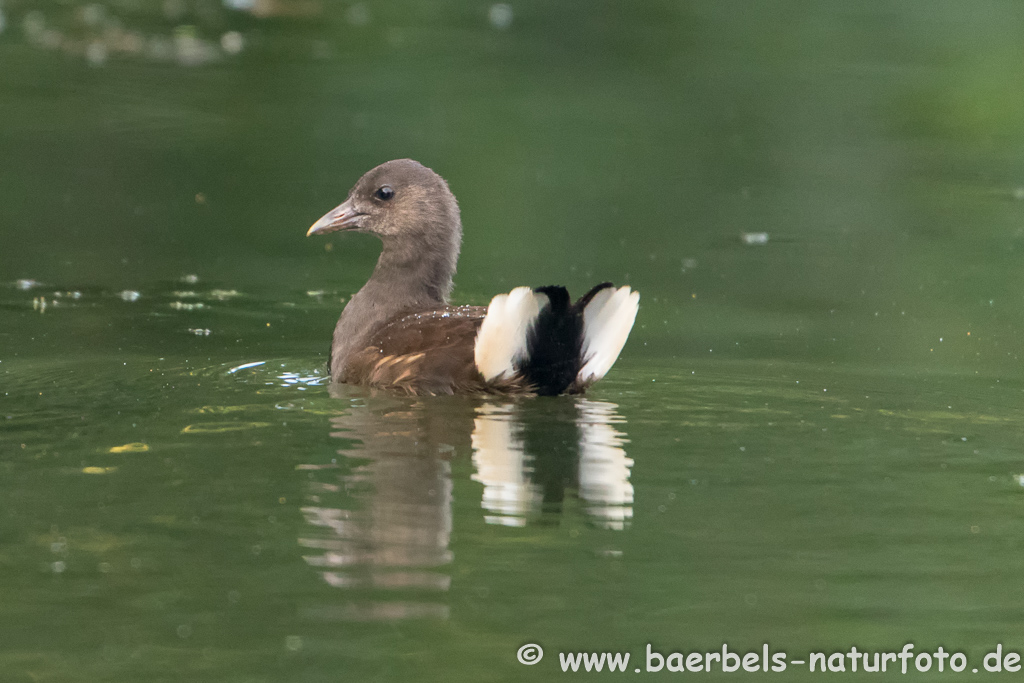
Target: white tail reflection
502	466
604	467
521	476
380	516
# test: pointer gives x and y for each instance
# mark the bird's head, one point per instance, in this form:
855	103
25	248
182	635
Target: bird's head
397	200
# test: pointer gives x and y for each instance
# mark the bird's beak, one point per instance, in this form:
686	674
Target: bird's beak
342	217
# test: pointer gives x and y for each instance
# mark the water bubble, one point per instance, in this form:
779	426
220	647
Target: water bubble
26	285
500	15
322	50
51	39
190	49
184	631
133	42
358	15
240	5
174	9
96	53
92	15
190	279
34	24
234	596
129	295
58	567
232	42
160	48
293	643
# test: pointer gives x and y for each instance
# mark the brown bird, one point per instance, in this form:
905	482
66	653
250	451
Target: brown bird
399	332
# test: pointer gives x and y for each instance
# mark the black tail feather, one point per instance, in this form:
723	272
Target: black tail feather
555	341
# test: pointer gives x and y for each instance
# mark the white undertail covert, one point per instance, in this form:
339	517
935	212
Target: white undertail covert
607	322
501	342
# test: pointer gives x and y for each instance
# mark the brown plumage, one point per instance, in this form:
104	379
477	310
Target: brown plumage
426	352
399	332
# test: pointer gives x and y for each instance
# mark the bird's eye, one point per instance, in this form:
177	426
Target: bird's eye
384	193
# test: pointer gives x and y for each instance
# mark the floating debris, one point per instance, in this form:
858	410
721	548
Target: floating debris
754	237
98	470
186	295
199	331
26	285
39	304
182	306
500	15
246	365
190	279
130	295
224	294
134	447
299	381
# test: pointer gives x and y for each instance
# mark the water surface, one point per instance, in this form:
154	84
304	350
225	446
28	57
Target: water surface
812	438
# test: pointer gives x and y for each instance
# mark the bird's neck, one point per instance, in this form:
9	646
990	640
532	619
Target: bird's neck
414	274
409	276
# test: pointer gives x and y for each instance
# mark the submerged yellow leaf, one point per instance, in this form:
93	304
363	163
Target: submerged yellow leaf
216	427
98	470
223	409
136	447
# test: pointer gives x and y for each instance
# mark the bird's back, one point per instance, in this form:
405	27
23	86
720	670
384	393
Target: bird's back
425	352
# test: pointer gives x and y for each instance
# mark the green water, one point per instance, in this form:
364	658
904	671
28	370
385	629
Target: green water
811	440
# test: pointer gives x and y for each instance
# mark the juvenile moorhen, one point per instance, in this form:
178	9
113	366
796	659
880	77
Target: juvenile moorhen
399	332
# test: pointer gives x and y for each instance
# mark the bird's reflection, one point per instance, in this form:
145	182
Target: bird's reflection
528	455
380	516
